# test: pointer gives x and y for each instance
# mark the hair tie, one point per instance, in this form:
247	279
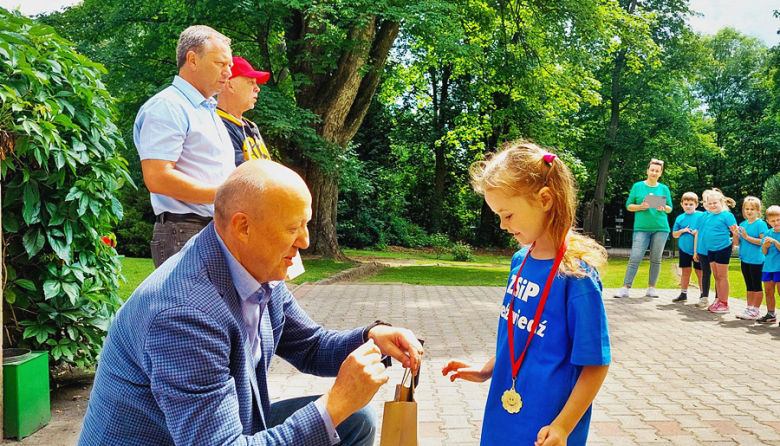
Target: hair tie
549	157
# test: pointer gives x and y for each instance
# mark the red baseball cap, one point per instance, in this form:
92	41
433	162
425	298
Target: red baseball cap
242	68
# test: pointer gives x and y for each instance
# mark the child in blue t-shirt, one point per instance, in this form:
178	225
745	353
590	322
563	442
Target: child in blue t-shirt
771	271
720	226
553	341
684	230
749	239
700	252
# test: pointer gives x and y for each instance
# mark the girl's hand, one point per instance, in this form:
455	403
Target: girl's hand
694	232
696	256
644	206
465	371
552	435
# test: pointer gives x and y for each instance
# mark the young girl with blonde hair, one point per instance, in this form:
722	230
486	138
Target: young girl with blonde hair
720	226
749	238
552	350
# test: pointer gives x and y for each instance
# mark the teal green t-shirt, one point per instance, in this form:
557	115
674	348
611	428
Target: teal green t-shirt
651	219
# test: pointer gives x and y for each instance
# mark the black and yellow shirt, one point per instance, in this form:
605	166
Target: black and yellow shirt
247	142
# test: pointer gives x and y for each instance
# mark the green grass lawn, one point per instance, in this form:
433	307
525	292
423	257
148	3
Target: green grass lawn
425	257
136	270
454	274
612	277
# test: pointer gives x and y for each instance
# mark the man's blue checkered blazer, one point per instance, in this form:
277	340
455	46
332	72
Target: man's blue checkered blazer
176	367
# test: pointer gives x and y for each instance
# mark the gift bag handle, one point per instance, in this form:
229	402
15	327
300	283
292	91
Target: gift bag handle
408	374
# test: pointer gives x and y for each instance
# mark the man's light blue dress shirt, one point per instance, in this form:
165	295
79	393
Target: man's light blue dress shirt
254	299
178	124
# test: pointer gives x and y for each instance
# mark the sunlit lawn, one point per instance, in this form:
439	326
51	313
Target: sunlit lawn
612	276
136	270
455	274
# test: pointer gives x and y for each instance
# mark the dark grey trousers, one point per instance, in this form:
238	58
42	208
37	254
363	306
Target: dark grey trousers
170	237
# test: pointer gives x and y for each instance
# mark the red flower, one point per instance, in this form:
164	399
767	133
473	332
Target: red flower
107	241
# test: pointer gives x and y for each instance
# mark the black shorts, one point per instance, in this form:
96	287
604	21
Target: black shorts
753	275
686	260
721	256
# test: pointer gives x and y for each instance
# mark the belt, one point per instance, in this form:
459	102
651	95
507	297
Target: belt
183	218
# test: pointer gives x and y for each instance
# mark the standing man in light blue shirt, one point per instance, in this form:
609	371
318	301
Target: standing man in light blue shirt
185	149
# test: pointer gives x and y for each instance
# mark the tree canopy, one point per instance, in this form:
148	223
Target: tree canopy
382	106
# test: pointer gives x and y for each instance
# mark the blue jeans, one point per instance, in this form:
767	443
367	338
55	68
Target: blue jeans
357	430
656	240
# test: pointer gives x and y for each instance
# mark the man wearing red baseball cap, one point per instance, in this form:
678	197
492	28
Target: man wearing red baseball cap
238	96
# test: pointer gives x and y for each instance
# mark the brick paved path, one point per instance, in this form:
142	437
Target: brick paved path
680	375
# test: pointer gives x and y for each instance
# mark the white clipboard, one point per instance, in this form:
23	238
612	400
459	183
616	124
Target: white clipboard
655	201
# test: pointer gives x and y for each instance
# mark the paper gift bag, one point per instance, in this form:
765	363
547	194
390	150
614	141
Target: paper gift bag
399	422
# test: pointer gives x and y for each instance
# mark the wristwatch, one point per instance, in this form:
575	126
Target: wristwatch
367	329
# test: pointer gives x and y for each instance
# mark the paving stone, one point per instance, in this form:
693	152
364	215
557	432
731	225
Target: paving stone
680	375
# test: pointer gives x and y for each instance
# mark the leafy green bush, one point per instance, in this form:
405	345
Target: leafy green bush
771	194
461	252
440	244
59	172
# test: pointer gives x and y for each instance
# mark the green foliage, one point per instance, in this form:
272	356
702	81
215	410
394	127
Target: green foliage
60	173
440	244
462	252
771	194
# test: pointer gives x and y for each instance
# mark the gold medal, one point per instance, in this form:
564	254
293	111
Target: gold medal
511	400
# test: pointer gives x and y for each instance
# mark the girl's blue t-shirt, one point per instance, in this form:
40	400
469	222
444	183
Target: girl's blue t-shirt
572	333
701	244
772	261
685	242
718	234
748	252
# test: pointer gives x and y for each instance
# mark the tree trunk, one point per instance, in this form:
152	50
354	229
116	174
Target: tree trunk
440	118
340	97
325	199
593	223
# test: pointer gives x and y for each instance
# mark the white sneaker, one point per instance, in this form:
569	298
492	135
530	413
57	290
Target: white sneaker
622	292
651	292
704	302
745	314
753	315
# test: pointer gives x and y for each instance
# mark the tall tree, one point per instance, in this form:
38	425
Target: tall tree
325	61
630	78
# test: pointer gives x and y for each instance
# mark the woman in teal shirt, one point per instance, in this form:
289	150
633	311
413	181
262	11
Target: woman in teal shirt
651	227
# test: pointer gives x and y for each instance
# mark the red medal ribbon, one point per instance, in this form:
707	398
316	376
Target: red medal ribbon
542	301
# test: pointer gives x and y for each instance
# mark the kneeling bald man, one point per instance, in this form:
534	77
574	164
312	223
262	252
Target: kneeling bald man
185	362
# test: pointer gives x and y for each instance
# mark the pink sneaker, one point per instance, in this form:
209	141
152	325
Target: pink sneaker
720	307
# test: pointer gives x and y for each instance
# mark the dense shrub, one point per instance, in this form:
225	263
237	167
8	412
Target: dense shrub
462	252
771	194
60	171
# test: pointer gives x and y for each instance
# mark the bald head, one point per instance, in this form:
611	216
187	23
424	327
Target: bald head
261	213
257	187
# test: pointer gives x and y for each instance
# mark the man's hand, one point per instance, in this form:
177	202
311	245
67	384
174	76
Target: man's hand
360	377
399	343
552	435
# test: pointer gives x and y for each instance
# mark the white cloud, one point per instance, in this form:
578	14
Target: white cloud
33	7
751	17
